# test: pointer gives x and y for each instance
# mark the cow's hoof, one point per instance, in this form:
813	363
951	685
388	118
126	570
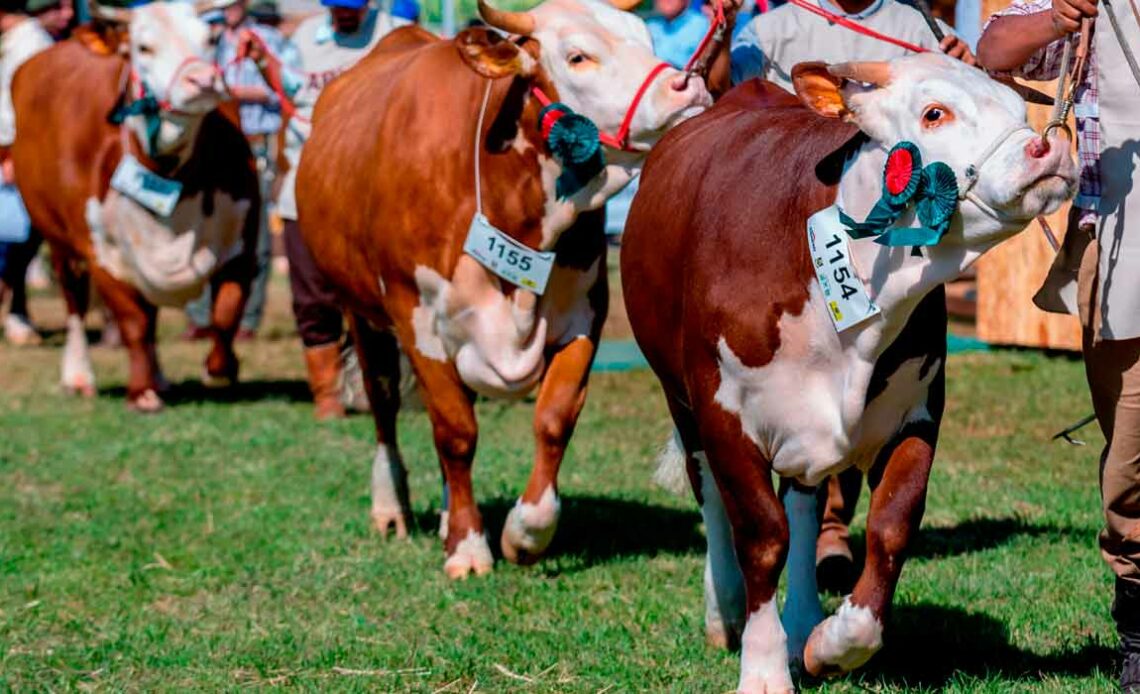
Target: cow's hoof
146	403
79	387
471	555
218	381
843	642
529	528
394	520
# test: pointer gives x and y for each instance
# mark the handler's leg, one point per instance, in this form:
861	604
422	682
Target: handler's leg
1113	369
834	560
849	638
320	322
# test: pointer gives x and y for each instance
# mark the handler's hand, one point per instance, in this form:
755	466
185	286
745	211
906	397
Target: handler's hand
1067	14
7	171
955	47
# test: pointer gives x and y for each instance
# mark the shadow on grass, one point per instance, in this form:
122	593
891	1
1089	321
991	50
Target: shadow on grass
596	530
194	391
928	646
980	534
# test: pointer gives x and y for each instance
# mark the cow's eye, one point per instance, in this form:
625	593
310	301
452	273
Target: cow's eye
145	49
936	115
577	58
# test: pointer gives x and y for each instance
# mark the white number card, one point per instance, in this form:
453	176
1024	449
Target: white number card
506	257
846	297
157	194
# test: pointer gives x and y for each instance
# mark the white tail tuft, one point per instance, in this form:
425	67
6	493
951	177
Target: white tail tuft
671	474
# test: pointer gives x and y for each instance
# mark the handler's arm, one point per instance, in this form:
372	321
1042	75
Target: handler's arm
1011	40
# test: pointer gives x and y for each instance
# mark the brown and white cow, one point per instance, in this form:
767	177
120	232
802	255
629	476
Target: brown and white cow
67	150
386	191
724	300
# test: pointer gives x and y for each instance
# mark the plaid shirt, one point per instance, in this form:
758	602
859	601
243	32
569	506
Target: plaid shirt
1045	64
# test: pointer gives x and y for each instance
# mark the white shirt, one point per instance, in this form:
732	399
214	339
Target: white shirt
325	54
16	45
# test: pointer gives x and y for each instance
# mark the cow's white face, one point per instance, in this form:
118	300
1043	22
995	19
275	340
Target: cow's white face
954	113
172	53
598	56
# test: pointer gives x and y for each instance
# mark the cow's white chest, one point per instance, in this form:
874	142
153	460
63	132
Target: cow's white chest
170	259
806	409
499	343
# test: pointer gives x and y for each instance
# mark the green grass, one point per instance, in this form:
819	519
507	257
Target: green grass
225	543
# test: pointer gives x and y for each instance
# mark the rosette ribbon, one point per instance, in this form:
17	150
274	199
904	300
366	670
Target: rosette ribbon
574	141
933	191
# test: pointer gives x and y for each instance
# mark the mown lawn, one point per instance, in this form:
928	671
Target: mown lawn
225	544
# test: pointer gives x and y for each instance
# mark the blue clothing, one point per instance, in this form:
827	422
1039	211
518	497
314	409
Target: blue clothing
675	41
256	119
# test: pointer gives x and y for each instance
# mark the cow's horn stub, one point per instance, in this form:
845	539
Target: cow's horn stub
626	5
116	15
520	23
877	73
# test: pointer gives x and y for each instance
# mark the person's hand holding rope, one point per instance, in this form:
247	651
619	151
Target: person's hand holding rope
955	47
1067	15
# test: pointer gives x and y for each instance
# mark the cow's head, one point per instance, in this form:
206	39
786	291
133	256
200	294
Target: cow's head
171	52
597	56
955	114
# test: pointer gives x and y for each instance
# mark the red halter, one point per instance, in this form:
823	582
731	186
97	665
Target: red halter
621	139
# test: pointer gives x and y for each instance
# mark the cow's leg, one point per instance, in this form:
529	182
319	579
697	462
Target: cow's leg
451	407
230	289
849	638
76	374
136	318
802	609
530	525
723	581
760	538
379	354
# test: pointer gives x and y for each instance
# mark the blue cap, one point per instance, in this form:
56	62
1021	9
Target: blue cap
350	4
406	9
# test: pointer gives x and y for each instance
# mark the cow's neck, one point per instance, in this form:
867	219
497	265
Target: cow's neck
620	169
896	277
175	141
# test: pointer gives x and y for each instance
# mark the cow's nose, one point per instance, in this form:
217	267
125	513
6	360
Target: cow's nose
680	82
1037	147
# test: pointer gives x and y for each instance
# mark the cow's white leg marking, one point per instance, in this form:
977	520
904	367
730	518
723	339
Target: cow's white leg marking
389	491
530	527
724	583
845	640
802	609
77	376
471	554
764	654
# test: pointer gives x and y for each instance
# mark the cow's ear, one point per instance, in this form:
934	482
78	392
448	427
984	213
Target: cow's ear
820	90
491	55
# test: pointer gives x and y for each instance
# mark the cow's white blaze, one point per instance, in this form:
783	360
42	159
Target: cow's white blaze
848	638
763	654
724	582
802	609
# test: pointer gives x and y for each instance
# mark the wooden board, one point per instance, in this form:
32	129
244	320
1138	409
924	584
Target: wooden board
1010	275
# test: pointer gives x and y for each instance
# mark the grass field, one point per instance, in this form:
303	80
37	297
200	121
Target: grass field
225	544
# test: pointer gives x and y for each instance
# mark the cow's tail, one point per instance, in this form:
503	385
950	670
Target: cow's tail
671	474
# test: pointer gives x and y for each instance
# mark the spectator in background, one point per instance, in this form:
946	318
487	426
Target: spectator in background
677	29
21	37
774	42
328	44
260	113
406	9
266	13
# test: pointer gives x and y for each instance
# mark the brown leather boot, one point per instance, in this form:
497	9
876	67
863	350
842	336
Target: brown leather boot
323	363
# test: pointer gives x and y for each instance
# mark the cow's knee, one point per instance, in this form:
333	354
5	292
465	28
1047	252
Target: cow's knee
844	641
77	376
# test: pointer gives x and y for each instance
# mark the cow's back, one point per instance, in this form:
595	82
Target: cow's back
716	240
392	181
